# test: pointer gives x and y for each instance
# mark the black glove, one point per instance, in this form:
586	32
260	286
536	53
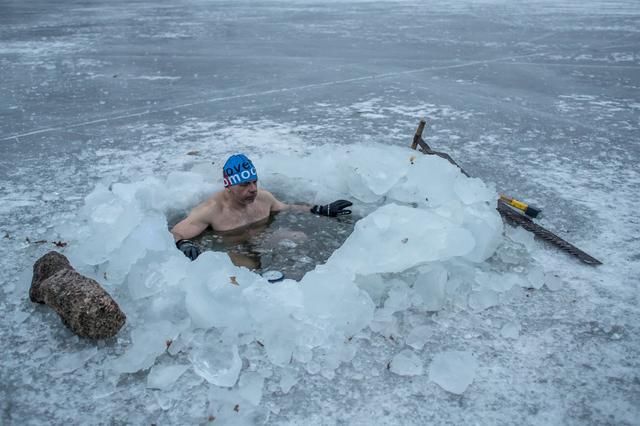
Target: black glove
189	248
334	209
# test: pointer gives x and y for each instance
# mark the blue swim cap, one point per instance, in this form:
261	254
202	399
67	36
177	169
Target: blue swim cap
238	169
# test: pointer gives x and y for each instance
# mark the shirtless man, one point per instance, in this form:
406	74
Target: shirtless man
240	204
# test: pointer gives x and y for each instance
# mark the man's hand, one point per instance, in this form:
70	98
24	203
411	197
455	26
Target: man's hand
337	208
189	248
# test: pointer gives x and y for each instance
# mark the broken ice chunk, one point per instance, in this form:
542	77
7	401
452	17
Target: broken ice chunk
406	363
250	387
288	379
535	277
453	371
419	336
163	376
399	297
149	341
430	285
216	362
520	235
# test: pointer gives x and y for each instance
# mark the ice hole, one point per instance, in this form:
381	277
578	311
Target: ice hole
293	243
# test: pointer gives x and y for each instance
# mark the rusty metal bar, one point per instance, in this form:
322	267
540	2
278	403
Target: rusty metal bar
516	218
426	149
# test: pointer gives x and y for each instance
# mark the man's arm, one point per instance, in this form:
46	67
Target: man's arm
337	208
192	226
188	228
279	206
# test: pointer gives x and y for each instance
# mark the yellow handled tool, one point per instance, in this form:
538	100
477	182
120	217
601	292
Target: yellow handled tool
525	208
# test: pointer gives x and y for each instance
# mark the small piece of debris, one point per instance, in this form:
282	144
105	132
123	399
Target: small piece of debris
105	276
233	281
404	240
260	343
412	159
193	153
59	243
237	408
211	418
168	343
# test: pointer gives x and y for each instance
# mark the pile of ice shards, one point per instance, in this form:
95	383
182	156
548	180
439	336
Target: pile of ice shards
425	232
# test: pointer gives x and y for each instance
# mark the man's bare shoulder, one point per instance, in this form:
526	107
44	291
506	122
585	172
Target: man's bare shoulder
263	194
211	205
269	199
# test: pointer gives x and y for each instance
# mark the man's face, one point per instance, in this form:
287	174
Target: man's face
244	193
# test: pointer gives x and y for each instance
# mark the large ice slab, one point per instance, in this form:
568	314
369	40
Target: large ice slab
394	238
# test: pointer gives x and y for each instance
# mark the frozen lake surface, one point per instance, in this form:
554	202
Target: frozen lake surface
540	99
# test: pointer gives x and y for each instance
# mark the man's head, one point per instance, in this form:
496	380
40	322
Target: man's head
240	179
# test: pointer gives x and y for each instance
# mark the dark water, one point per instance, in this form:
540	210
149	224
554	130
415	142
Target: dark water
290	242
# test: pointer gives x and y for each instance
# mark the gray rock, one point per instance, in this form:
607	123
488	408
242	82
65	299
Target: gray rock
83	305
45	267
